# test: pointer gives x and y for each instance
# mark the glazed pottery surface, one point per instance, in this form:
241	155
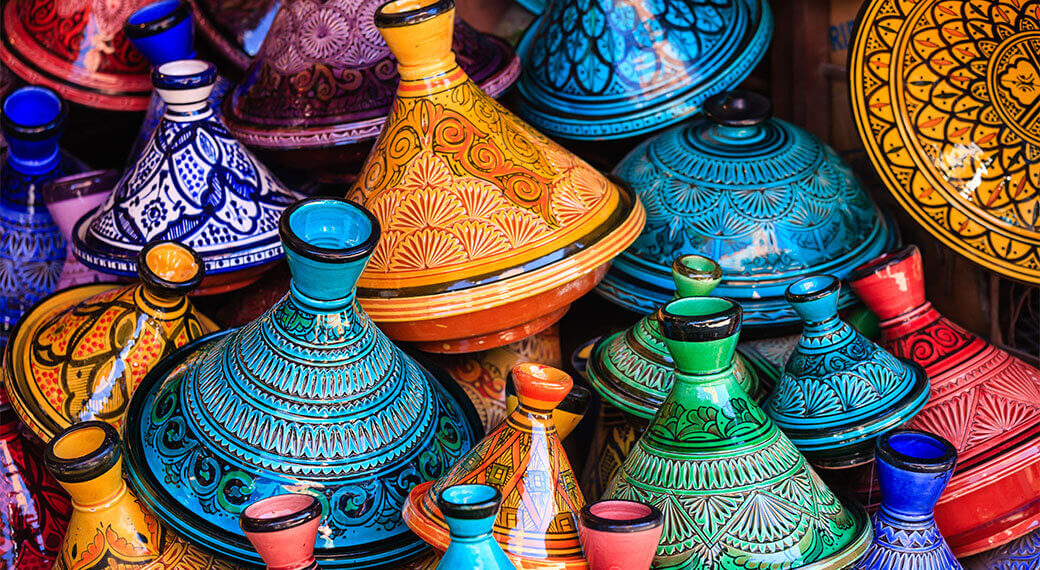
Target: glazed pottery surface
566	415
193	183
236	28
1020	554
537	525
282	529
839	390
765	199
602	70
734	490
312	398
942	94
615	434
79	354
68	198
109	527
985	401
620	535
490	229
470	512
914	468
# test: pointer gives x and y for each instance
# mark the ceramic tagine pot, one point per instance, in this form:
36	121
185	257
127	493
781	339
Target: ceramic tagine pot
985	401
67	199
318	93
733	489
914	468
765	199
1023	553
491	229
31	247
566	415
537	525
193	183
839	390
603	70
470	511
619	534
79	354
109	527
282	529
311	397
77	48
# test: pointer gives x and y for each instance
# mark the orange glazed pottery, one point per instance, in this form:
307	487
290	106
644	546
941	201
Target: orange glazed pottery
490	230
537	525
79	354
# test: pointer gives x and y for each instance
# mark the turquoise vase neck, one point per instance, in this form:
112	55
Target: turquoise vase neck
470	511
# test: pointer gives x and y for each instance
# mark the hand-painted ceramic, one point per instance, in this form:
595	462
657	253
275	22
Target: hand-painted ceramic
236	28
77	48
765	199
566	415
620	534
942	92
984	401
324	78
491	229
79	354
311	398
109	527
533	6
604	70
470	511
734	491
839	390
193	183
282	529
767	357
914	468
68	198
32	250
1020	554
537	525
612	440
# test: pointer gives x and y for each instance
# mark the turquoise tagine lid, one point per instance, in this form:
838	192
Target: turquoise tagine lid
309	398
765	199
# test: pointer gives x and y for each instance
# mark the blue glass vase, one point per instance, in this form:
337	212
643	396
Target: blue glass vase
470	512
913	469
311	397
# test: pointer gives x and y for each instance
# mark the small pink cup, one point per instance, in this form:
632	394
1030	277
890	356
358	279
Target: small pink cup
620	535
282	529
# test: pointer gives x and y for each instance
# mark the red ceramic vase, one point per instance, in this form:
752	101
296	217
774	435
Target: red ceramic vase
984	401
620	535
282	529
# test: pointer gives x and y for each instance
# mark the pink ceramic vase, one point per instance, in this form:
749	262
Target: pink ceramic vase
68	199
620	535
282	529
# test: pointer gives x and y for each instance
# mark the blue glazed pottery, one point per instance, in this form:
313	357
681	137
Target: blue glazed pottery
599	69
32	251
765	199
839	390
1020	554
913	468
193	183
311	398
470	512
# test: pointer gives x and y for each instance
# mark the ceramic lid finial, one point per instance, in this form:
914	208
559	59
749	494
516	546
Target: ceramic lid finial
695	275
913	467
184	85
701	332
419	34
540	387
815	298
32	118
169	270
282	529
469	510
162	31
891	284
738	108
86	459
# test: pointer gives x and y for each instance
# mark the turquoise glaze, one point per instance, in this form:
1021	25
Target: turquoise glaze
599	69
765	199
470	512
309	398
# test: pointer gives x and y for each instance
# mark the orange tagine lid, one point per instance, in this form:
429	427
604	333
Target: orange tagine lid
480	212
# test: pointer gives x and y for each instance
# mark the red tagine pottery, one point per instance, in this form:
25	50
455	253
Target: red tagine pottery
490	230
537	525
77	48
282	529
985	401
620	535
67	199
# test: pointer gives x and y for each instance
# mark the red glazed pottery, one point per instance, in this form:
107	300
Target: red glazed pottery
985	401
282	529
67	199
620	535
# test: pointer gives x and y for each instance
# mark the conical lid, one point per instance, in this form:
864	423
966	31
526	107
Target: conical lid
601	69
311	397
324	76
537	525
193	183
632	369
77	48
79	354
481	212
839	390
733	489
764	198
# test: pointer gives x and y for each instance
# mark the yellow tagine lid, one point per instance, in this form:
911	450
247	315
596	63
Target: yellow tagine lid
479	211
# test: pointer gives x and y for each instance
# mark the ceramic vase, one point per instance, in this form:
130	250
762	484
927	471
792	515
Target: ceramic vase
470	512
312	397
733	489
620	535
992	497
282	529
914	468
537	525
490	229
193	183
605	70
68	198
839	390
